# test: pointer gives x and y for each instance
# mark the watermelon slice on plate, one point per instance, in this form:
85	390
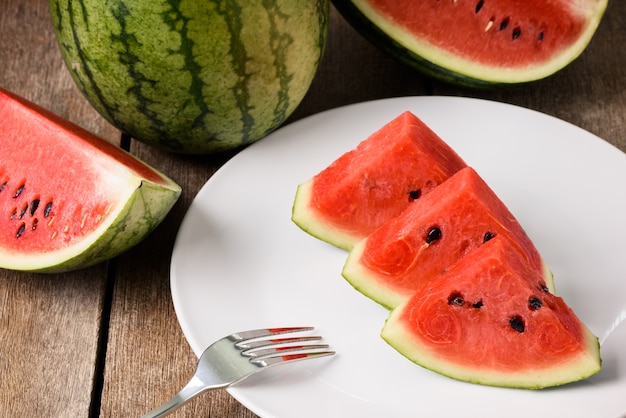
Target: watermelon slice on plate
479	42
360	190
490	319
406	252
69	199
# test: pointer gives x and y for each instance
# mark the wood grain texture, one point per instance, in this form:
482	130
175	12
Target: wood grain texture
49	333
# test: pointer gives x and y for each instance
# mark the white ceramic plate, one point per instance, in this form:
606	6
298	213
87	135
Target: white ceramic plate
240	263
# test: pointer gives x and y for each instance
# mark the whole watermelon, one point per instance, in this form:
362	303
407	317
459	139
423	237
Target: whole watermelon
192	76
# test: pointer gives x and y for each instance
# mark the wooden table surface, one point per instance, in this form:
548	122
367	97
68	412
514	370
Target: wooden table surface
105	341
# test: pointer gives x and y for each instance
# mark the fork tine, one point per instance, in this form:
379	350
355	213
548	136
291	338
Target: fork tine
265	332
288	358
248	345
267	352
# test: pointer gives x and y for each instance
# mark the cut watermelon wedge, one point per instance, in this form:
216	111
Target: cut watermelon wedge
365	187
69	199
489	319
409	250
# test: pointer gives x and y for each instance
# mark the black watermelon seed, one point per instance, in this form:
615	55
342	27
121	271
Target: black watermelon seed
517	324
47	209
544	288
534	303
13	214
455	299
23	211
18	192
415	194
478	304
488	235
3	186
504	23
33	206
517	32
540	36
479	6
433	235
20	230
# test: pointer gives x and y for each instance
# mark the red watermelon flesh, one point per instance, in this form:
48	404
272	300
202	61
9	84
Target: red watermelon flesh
507	34
361	190
490	319
406	252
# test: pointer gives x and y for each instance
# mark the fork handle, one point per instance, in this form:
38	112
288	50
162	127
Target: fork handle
190	391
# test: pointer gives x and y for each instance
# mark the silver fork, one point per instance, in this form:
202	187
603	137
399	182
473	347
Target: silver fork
237	356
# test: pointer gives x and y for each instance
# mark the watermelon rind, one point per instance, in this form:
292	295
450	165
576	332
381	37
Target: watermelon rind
193	77
450	67
312	223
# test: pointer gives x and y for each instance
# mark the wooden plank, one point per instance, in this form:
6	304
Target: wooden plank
49	324
49	329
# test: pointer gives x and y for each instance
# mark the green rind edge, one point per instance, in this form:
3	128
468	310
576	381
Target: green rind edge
309	221
143	212
588	364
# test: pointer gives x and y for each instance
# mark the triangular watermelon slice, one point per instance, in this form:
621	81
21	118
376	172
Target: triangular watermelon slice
69	199
457	216
489	319
365	187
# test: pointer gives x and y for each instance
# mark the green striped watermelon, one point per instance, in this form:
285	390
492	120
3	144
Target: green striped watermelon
192	76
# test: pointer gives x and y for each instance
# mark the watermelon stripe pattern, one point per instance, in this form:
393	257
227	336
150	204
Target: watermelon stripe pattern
193	77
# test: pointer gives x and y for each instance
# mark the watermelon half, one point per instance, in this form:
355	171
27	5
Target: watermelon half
406	252
489	319
479	42
361	190
69	199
